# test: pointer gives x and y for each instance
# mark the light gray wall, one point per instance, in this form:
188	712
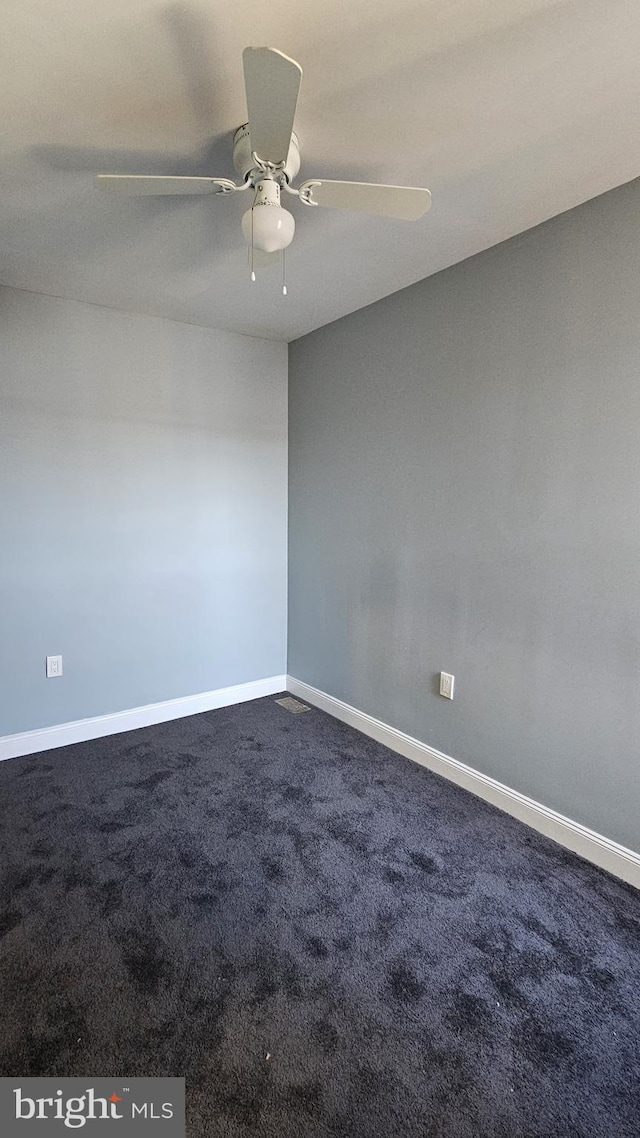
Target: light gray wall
142	509
465	496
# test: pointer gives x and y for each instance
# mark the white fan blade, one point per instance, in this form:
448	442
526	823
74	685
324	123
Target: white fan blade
151	184
272	82
389	201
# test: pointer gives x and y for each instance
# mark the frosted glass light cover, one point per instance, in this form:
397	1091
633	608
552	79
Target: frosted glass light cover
273	227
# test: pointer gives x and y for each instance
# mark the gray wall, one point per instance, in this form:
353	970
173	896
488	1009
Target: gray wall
142	509
465	496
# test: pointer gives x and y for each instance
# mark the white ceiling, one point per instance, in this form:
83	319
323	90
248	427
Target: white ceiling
510	111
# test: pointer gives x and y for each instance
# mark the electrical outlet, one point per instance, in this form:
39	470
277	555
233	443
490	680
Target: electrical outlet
446	685
54	666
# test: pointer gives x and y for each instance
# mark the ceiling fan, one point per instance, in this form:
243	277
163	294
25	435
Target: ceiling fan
266	154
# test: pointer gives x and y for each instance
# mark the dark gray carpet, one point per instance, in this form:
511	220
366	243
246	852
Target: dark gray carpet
190	898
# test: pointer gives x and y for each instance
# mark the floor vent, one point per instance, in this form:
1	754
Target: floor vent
291	704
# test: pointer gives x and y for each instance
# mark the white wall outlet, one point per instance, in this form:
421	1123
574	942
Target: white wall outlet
54	666
446	685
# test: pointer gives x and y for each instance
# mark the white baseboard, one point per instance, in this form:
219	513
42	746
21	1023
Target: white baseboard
29	742
580	839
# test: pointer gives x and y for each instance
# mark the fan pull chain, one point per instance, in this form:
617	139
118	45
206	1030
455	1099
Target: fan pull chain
253	275
284	279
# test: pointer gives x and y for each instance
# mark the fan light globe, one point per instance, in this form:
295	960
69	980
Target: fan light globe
273	227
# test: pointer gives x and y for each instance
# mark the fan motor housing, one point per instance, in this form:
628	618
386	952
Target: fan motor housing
242	153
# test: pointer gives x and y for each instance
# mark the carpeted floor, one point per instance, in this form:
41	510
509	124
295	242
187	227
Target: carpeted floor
194	897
